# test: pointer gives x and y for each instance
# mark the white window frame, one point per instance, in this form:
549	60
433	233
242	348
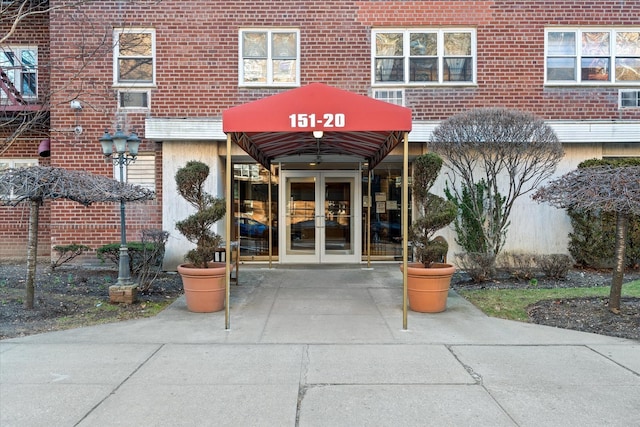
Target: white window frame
392	95
116	56
440	32
612	56
121	92
17	70
15	163
635	96
141	172
269	58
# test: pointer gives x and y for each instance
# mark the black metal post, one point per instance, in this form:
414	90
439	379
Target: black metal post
124	274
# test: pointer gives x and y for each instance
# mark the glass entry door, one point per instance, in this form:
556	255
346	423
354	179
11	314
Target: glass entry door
320	217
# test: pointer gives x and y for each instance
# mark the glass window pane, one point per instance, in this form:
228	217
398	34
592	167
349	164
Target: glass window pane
595	43
28	58
423	44
628	69
255	70
136	70
135	44
457	44
7	59
254	45
595	68
630	99
561	43
284	71
423	69
283	45
389	70
389	44
628	44
457	70
134	99
561	69
28	84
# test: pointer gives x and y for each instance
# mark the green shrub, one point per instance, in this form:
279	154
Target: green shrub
137	251
66	253
469	233
432	212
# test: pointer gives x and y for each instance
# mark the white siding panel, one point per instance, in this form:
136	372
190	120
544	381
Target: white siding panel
166	129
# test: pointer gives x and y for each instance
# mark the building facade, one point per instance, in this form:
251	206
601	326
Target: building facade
168	70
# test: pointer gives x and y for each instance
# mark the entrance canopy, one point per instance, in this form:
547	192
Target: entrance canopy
317	119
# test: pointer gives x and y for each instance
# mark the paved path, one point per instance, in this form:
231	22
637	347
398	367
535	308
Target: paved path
320	347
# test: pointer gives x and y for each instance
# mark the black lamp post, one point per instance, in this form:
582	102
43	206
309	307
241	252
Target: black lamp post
121	142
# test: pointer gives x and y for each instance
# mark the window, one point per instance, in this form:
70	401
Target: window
133	99
142	172
15	163
269	58
629	98
393	96
134	57
592	56
20	65
423	56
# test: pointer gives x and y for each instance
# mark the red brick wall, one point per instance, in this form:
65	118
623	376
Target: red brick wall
14	221
197	51
197	71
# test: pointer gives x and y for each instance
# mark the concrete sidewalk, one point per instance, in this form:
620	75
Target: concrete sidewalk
319	347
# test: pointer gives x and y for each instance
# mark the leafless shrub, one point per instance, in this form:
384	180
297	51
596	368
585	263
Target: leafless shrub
554	266
520	265
153	246
505	154
479	266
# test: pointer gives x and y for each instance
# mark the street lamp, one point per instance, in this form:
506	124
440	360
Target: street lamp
121	142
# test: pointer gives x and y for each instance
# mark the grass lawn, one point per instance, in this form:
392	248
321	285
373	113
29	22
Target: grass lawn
511	303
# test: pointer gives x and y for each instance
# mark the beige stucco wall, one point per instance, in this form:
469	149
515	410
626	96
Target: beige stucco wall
176	154
535	227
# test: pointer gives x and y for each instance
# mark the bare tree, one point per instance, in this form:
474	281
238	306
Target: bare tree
604	189
39	183
494	156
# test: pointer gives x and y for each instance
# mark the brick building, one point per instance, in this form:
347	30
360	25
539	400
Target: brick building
168	70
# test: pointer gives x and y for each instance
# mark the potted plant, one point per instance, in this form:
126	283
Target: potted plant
204	281
429	277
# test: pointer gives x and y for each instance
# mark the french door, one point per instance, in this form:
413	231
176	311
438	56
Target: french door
320	212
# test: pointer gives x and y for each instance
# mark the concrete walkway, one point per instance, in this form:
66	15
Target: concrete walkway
320	347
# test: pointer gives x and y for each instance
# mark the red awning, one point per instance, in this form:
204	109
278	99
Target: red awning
282	125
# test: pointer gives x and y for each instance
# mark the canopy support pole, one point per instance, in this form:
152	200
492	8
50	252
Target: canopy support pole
270	221
405	226
227	255
370	174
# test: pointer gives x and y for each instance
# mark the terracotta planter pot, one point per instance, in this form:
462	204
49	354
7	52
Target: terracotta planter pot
204	288
428	288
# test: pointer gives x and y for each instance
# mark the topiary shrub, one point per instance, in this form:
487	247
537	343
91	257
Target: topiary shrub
209	210
433	212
